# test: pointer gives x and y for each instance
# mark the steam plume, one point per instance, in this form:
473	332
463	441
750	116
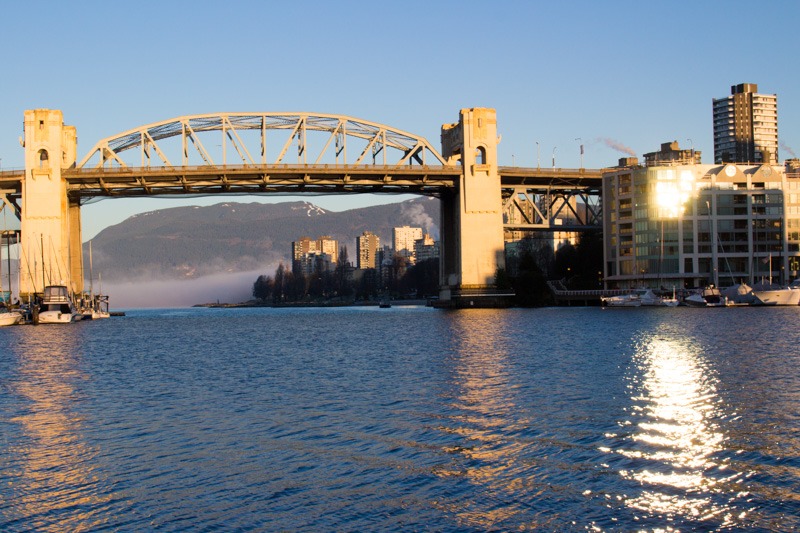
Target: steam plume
416	215
618	146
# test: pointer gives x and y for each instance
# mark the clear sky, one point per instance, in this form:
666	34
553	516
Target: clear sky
632	74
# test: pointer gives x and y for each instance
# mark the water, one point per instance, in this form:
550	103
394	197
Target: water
403	419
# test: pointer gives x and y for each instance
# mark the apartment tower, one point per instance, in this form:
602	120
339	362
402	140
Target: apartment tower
746	126
367	246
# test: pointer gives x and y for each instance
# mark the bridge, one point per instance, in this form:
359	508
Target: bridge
292	153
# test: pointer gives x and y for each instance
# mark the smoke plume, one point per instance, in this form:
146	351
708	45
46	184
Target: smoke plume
788	150
618	146
416	215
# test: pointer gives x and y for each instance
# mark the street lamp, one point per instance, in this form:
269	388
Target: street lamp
554	157
692	144
513	163
538	161
579	139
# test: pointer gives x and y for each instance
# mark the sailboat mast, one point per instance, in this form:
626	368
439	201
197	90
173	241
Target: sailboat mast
8	258
91	272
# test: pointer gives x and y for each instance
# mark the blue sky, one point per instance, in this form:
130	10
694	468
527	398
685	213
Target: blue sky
635	73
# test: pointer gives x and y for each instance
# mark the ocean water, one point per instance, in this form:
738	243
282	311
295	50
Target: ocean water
403	419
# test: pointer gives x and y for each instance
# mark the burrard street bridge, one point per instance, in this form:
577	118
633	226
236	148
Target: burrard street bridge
292	153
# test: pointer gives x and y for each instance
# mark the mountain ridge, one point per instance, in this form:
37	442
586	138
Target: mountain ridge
190	242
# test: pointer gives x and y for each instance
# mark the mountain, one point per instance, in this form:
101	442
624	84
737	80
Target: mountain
193	241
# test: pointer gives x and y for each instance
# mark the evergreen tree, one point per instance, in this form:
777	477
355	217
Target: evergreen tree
279	288
262	288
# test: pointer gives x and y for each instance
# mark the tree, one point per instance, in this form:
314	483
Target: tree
421	278
279	287
341	275
262	288
579	265
530	285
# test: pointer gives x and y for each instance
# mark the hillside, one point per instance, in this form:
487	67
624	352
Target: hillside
193	241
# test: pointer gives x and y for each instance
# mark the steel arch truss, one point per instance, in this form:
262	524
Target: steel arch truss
547	208
242	141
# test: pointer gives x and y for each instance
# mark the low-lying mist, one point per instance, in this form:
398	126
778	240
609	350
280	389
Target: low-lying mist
224	288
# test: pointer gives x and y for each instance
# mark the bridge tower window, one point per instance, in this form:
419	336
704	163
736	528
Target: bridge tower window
480	155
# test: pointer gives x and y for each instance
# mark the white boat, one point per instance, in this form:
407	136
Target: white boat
623	300
741	294
9	318
708	297
775	295
57	306
651	299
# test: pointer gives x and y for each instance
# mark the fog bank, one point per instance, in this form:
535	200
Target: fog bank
225	288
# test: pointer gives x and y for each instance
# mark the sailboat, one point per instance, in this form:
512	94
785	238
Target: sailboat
8	317
99	303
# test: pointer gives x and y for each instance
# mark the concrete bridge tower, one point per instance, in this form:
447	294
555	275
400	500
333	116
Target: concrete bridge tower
472	242
50	223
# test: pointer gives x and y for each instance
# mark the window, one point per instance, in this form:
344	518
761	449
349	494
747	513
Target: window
480	155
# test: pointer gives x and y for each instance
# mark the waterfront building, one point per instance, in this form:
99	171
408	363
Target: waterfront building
677	223
746	126
367	246
403	241
425	248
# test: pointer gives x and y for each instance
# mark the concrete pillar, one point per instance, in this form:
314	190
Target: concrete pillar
50	224
472	218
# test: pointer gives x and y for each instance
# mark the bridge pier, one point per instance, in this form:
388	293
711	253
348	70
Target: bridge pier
50	249
472	245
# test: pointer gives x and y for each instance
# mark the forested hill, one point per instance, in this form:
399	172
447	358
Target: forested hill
194	241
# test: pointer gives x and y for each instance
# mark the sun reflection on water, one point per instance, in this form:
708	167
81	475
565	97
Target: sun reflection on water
53	484
485	414
674	442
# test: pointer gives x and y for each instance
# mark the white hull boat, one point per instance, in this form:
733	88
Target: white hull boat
651	299
57	306
10	318
784	296
623	300
708	297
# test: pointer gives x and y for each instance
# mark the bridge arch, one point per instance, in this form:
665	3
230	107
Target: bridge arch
246	139
231	153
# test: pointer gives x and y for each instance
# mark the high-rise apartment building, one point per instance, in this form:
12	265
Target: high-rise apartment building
426	248
305	247
367	246
746	126
403	241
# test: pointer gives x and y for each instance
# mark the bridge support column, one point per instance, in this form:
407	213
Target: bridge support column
50	245
472	245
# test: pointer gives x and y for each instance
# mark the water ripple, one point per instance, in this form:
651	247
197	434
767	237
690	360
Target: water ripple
403	419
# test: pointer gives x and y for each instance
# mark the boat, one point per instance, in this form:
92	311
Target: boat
768	294
100	307
741	294
10	318
707	297
622	300
57	306
651	299
384	304
97	307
